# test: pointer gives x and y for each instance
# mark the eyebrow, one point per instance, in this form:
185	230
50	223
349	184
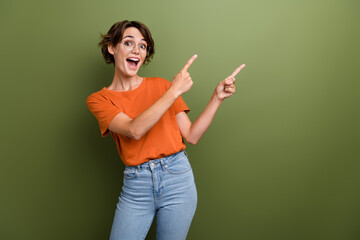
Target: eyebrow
143	39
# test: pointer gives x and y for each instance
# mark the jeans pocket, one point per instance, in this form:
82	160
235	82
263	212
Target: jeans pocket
130	173
179	166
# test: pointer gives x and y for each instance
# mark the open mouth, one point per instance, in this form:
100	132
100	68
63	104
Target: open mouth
133	62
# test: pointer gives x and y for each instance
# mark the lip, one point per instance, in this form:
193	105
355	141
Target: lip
134	58
133	68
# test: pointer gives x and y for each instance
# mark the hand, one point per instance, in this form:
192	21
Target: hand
182	81
226	88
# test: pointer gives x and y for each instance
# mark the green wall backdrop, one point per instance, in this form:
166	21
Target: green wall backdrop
280	161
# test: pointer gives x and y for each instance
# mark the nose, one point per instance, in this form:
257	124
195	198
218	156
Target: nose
136	49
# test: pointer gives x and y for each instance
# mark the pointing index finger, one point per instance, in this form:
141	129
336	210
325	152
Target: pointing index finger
237	70
188	64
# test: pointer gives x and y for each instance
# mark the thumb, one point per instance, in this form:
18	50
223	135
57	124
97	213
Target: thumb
223	83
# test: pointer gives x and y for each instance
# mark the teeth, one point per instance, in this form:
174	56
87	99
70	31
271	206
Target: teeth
134	59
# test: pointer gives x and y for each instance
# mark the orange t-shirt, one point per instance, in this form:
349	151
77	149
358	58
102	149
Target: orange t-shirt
161	140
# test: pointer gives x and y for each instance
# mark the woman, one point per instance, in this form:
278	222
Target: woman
147	118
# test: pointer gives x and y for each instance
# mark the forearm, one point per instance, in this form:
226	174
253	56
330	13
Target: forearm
192	132
202	123
146	120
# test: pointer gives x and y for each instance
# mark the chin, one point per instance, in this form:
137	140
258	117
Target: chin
132	72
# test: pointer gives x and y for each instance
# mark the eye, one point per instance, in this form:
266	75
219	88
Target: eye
127	43
143	46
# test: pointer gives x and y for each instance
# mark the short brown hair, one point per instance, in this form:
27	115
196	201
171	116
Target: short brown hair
115	34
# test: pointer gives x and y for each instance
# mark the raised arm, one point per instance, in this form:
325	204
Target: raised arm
139	126
192	132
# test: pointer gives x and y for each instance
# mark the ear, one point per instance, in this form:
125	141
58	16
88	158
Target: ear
111	49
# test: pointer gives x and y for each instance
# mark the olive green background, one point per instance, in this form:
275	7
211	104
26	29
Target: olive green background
280	160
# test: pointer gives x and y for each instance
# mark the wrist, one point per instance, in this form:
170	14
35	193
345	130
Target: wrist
215	98
173	92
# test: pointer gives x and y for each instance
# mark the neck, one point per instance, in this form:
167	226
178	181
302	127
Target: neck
122	82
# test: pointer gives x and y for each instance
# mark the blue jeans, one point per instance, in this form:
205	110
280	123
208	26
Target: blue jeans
164	187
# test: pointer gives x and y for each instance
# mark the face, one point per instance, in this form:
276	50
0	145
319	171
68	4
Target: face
130	52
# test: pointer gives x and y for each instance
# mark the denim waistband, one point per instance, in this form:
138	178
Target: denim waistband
159	161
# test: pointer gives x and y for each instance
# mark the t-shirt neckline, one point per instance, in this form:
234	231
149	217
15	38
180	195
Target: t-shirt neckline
130	91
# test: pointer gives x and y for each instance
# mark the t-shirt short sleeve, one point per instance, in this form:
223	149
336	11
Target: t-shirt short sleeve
180	105
103	110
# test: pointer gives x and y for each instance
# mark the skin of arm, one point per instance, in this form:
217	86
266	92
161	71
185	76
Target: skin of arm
139	126
192	132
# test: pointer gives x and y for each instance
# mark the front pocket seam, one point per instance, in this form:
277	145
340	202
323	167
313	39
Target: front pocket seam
130	177
181	172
